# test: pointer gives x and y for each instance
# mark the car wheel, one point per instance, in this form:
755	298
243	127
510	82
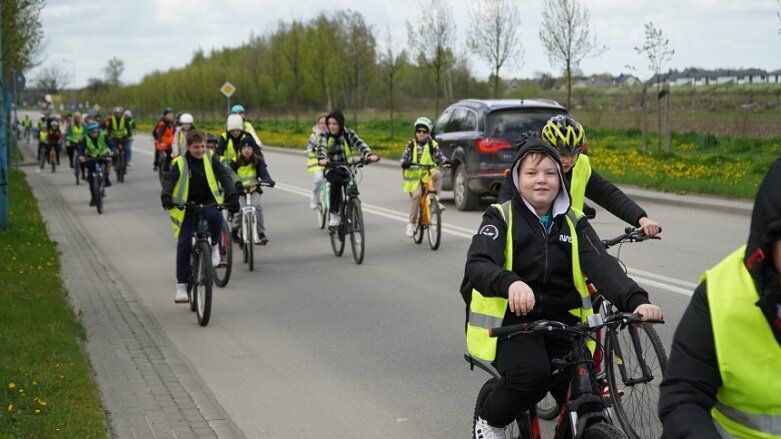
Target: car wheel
464	198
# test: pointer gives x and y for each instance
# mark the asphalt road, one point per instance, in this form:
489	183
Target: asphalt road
311	344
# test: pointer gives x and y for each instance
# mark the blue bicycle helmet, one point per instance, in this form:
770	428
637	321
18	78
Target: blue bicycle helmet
237	109
92	126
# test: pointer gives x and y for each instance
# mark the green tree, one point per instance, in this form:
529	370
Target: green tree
358	56
566	36
322	65
494	34
433	38
113	71
293	50
22	34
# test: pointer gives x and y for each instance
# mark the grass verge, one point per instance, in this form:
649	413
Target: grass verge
46	386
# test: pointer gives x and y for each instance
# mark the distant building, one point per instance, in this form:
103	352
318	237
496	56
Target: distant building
624	80
719	76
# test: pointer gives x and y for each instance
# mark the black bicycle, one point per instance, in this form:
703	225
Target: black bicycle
350	212
163	164
120	159
587	412
201	282
98	184
632	367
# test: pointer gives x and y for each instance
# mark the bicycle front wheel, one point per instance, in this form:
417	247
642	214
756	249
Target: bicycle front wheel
434	224
355	223
97	192
635	396
53	159
420	226
337	239
203	284
248	244
520	429
222	272
121	166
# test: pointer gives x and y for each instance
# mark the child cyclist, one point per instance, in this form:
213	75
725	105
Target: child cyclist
164	136
186	123
422	150
249	168
312	167
94	146
526	263
194	177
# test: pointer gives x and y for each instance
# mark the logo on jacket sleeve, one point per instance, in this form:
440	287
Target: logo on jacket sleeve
490	231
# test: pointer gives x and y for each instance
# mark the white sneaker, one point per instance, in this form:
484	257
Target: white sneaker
485	431
215	255
333	220
410	230
313	204
181	293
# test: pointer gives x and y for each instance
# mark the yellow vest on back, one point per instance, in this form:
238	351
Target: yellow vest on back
581	174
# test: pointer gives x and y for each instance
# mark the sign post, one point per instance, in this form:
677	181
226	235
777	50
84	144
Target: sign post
228	89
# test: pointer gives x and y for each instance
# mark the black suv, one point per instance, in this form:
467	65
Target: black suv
479	137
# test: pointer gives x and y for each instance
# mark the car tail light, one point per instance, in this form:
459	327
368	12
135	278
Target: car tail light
491	146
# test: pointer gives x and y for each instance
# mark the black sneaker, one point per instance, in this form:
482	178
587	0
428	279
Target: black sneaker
263	240
91	203
108	183
235	236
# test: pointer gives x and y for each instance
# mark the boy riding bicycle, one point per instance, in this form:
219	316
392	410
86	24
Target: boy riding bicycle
94	146
194	177
422	150
526	263
164	136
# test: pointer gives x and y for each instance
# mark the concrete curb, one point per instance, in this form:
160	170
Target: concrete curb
718	204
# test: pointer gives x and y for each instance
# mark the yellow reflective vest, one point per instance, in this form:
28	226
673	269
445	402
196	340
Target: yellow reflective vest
230	151
748	404
487	312
581	174
312	165
182	188
412	176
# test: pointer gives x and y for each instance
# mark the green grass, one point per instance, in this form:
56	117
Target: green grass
46	387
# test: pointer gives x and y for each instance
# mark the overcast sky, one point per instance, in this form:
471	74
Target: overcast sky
149	35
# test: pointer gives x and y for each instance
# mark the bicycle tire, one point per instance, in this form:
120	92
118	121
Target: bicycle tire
121	166
636	405
53	159
357	235
520	429
322	215
42	156
222	274
601	430
76	170
434	223
547	408
248	242
191	282
203	287
417	235
336	235
97	193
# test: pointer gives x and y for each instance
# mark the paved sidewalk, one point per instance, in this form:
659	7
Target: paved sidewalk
146	386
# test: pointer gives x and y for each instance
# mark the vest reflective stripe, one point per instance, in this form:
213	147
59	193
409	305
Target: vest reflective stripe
488	312
182	188
581	173
98	150
118	132
412	176
247	174
749	357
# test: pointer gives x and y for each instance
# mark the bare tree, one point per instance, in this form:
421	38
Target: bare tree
358	55
52	79
566	37
390	64
434	39
494	34
113	71
657	50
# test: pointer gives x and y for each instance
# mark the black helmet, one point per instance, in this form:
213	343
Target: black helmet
565	133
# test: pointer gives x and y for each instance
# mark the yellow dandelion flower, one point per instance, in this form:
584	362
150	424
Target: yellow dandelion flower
11	385
37	411
10	407
42	402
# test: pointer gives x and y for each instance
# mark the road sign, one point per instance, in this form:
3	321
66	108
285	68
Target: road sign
227	89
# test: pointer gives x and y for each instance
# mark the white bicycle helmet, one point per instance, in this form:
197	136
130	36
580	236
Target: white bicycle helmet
186	118
424	122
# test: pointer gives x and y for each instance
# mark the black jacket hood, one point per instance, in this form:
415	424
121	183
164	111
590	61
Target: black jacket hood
765	230
562	202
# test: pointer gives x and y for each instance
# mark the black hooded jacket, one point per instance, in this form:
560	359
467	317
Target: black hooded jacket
543	262
692	378
601	191
346	138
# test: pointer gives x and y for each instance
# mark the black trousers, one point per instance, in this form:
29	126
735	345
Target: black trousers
338	178
525	364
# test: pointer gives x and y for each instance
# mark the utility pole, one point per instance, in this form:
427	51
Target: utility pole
3	142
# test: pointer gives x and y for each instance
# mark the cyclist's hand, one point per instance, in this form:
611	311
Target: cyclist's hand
322	162
270	183
649	227
239	186
167	201
520	298
446	164
374	158
649	312
405	164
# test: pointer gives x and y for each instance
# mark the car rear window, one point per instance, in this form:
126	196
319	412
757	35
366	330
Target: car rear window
510	124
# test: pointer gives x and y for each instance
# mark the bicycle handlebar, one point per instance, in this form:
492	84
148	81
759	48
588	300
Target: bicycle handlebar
618	319
197	206
630	235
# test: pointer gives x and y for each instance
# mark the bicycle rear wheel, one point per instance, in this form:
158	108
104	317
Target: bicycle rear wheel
635	403
222	273
434	224
203	284
355	223
520	429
